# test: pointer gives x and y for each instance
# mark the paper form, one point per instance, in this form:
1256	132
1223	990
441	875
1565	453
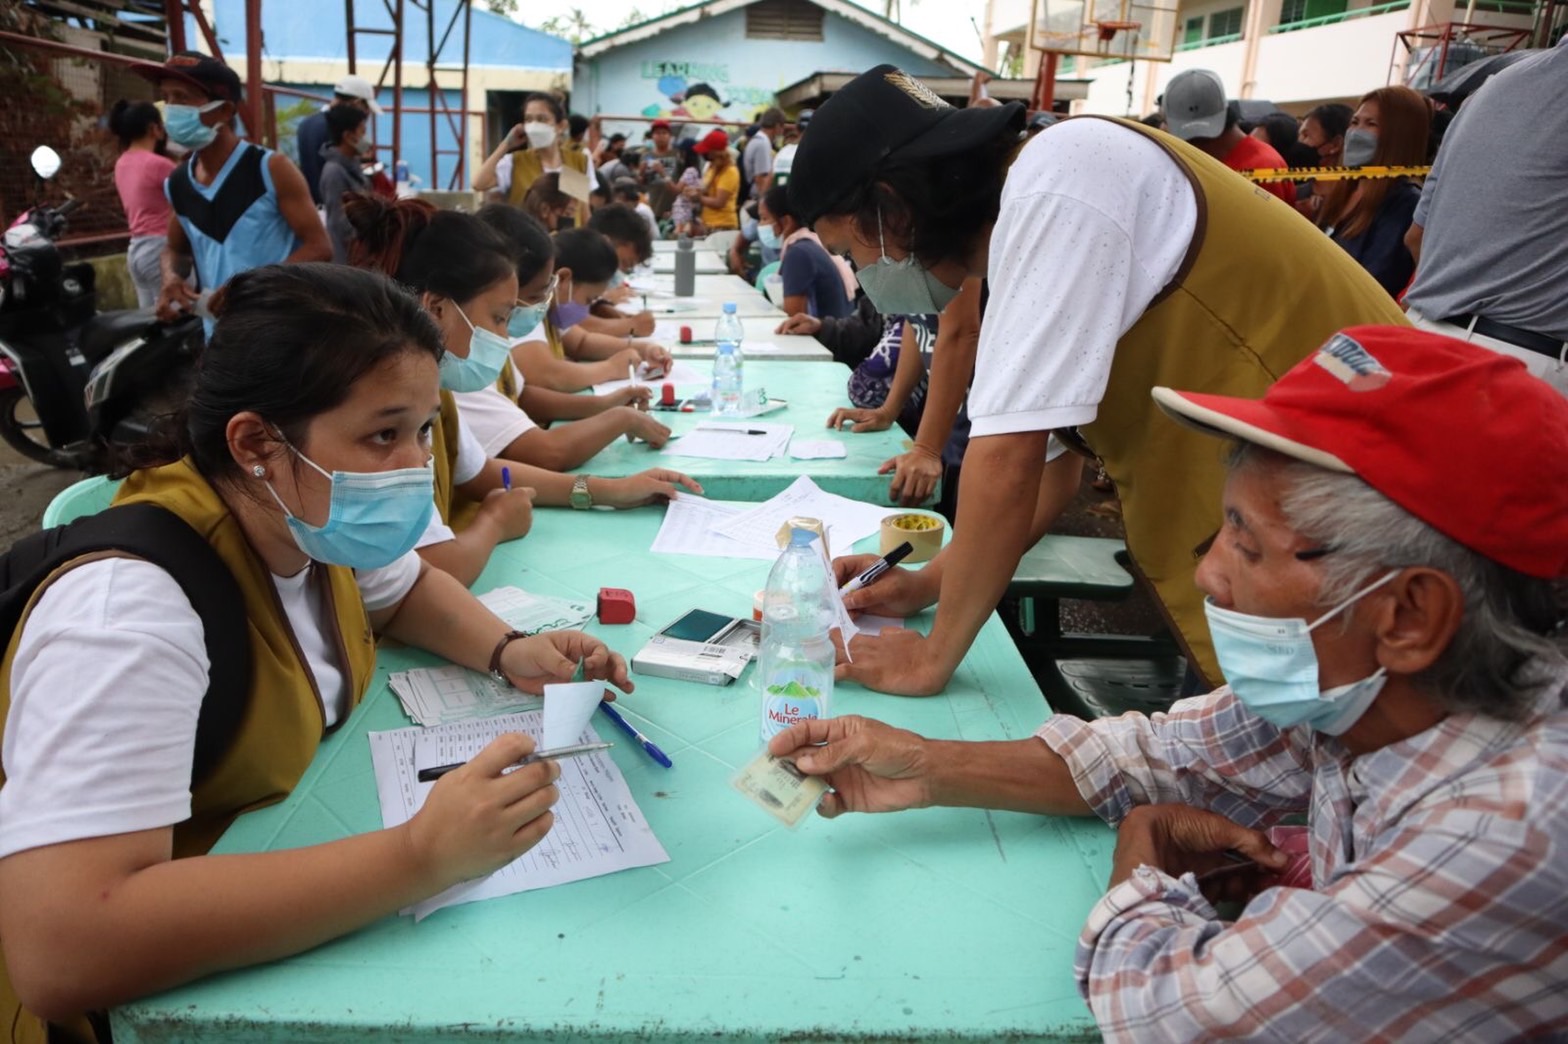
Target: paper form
688	530
680	372
567	708
844	520
716	440
442	695
534	613
598	827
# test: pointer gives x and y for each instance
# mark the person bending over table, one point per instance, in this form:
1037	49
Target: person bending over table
304	459
1118	258
1396	657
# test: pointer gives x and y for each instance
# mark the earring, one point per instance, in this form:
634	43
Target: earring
258	471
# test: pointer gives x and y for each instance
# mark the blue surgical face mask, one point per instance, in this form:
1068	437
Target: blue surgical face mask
1272	668
903	287
617	279
183	125
568	313
487	353
1360	147
374	519
768	236
526	318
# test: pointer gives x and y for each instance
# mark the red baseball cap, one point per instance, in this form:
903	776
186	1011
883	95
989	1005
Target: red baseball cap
713	142
1462	437
660	125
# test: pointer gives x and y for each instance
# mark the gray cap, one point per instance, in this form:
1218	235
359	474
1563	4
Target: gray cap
1195	105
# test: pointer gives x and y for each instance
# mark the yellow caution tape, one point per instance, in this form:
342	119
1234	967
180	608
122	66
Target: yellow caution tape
1333	173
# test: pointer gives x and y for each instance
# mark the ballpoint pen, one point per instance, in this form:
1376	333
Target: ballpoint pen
506	478
627	727
877	568
430	775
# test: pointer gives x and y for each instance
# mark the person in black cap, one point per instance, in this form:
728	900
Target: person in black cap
1118	259
237	206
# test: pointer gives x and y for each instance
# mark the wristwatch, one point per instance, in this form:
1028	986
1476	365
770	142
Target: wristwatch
580	498
495	657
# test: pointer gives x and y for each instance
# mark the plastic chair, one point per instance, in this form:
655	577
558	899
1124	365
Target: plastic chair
79	499
762	276
719	242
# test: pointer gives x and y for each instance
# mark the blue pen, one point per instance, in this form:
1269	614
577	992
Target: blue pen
506	478
653	752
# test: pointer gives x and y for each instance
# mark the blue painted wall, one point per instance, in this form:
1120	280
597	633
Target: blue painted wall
299	29
642	78
306	29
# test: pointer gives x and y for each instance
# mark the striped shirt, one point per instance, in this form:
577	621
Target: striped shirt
1440	910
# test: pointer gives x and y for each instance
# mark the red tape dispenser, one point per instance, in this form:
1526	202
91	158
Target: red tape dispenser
616	606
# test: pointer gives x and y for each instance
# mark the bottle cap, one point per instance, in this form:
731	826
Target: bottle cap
729	307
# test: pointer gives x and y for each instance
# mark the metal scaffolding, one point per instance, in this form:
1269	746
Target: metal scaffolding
257	111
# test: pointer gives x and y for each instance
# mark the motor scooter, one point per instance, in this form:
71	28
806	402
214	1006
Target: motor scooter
78	387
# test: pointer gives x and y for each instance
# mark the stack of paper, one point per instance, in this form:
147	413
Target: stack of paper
694	526
845	521
598	827
689	529
743	440
534	613
441	695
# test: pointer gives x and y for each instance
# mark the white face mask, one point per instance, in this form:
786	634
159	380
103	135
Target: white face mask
540	135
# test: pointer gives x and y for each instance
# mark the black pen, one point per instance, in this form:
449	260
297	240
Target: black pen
736	431
430	775
877	568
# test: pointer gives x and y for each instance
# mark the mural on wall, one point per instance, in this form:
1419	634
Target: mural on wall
702	91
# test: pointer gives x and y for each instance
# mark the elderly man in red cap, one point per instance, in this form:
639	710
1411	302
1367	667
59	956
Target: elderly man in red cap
1385	604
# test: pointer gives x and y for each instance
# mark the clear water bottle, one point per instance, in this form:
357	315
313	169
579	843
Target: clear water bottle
728	363
795	659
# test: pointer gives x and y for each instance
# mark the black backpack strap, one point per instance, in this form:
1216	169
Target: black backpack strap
163	538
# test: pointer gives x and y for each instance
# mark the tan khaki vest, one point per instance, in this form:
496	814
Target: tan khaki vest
1259	290
284	722
455	507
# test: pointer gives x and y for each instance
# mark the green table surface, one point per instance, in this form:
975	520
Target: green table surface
813	393
938	924
761	341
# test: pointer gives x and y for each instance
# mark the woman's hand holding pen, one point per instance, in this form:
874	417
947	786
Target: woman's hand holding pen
480	817
534	662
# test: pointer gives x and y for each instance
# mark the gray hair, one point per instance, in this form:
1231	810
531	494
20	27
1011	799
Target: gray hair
1508	647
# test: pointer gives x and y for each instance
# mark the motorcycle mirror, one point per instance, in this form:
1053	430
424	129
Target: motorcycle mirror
46	162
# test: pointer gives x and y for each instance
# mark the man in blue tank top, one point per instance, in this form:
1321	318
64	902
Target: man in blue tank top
237	205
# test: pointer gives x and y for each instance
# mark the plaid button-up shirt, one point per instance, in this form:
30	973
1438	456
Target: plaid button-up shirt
1440	906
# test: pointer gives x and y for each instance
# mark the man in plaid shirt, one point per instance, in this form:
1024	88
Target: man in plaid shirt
1384	606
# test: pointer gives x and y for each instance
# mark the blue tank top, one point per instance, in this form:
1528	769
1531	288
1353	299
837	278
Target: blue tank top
234	224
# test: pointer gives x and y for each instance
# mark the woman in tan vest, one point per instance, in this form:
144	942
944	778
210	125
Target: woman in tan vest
1118	259
315	397
533	148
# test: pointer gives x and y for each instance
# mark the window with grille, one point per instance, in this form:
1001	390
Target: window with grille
784	20
1225	23
1292	11
1192	34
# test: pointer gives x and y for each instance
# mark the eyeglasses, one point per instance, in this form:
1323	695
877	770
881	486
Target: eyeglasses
549	292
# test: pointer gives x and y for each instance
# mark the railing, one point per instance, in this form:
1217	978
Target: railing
1345	16
1212	41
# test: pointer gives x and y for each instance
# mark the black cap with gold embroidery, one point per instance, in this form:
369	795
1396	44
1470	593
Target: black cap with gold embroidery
882	114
